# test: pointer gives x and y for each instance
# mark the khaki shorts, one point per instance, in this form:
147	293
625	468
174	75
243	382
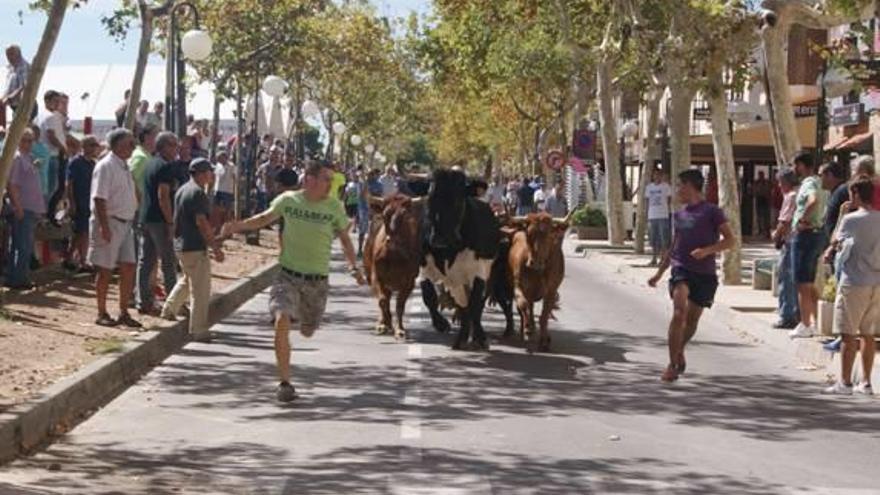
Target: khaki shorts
119	250
300	299
857	311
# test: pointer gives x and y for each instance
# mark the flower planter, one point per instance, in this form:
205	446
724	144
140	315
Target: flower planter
592	233
825	325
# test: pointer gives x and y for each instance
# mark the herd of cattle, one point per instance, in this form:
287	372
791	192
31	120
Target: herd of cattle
465	255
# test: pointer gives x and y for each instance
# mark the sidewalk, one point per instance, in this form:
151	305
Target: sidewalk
49	333
752	312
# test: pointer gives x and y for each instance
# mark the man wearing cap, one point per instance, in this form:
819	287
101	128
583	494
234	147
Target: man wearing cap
193	236
225	177
312	218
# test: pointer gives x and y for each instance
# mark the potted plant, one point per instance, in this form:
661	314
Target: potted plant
826	307
591	223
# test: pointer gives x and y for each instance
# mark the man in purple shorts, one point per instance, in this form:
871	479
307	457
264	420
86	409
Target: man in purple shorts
700	231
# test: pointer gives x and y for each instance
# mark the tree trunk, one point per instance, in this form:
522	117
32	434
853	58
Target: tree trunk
680	129
728	191
613	182
38	66
143	55
776	60
650	153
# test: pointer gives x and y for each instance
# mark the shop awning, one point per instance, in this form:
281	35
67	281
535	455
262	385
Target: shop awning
858	142
759	134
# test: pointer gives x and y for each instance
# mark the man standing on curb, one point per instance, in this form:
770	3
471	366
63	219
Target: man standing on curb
789	314
808	242
658	194
694	281
193	235
311	220
857	306
157	223
111	238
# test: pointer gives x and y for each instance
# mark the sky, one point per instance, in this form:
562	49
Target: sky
83	41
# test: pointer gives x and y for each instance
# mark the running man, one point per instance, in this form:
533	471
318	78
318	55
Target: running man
311	220
695	242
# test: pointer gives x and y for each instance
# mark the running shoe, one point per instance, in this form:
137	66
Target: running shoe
285	392
834	345
839	388
802	332
865	389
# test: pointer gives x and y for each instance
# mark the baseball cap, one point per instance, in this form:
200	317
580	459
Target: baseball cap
200	165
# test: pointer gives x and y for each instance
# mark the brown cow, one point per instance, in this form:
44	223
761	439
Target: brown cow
391	256
536	269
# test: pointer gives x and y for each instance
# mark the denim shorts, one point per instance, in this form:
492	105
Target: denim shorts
660	233
806	248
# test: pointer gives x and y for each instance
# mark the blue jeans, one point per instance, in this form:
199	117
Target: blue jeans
788	299
19	271
156	242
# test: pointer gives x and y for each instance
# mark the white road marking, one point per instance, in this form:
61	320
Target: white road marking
411	429
434	484
414	351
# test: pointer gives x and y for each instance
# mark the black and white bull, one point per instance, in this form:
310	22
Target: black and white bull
460	246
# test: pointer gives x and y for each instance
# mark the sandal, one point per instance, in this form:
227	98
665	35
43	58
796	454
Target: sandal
104	320
126	320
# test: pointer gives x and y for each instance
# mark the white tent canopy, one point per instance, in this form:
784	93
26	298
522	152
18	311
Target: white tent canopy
106	85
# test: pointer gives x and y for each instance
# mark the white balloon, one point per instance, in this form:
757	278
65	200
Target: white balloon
356	140
310	109
196	45
339	128
274	86
369	148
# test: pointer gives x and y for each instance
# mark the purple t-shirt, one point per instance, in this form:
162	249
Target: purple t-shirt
696	226
26	177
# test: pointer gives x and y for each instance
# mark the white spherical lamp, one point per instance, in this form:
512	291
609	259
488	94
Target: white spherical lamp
196	45
369	148
310	109
339	128
356	140
274	86
630	129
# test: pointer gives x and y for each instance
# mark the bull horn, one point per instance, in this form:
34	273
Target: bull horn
417	201
564	221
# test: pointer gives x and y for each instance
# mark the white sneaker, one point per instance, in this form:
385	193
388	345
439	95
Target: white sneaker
865	389
802	332
838	389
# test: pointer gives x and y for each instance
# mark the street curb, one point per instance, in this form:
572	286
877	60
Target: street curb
27	426
807	352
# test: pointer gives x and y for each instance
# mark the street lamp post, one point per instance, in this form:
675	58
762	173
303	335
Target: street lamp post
196	46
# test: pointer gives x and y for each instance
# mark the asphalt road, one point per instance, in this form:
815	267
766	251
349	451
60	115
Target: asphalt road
379	416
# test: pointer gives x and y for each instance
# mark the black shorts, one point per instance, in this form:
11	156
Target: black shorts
701	286
351	210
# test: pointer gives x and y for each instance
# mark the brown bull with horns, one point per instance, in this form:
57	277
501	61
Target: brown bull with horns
392	255
535	269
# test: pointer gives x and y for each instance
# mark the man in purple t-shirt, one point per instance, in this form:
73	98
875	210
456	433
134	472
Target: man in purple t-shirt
700	231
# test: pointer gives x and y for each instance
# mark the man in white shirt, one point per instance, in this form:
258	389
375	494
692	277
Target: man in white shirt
225	176
111	238
540	198
658	195
52	134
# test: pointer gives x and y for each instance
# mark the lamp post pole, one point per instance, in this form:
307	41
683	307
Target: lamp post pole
175	90
821	117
